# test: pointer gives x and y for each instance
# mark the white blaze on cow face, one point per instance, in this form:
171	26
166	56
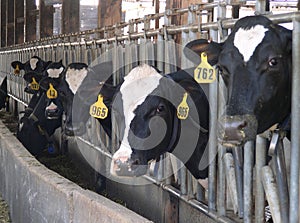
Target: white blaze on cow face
246	40
74	78
137	85
33	62
54	73
51	106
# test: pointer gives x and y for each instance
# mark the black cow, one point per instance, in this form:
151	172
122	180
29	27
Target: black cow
35	130
43	115
255	63
67	84
144	105
3	93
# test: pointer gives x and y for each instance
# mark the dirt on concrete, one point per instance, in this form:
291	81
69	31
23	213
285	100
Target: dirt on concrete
4	211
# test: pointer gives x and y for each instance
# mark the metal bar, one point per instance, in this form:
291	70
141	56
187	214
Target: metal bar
248	181
231	180
170	30
271	193
213	145
237	153
295	139
260	161
281	179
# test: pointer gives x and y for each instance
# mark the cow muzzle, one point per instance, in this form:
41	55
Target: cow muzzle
237	130
52	111
127	167
75	129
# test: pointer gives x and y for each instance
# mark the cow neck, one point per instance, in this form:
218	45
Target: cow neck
174	135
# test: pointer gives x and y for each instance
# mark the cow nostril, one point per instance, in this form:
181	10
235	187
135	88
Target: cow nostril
118	162
242	125
136	162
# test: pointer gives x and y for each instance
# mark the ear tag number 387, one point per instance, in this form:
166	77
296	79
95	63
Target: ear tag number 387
51	92
99	109
183	108
204	72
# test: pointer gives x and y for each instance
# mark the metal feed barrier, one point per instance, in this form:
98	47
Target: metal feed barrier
237	190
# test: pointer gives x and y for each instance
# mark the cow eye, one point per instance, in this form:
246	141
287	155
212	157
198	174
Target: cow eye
160	109
273	62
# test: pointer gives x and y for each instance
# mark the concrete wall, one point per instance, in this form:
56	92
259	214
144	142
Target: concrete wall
37	194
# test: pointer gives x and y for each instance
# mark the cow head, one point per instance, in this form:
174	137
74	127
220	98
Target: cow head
49	85
69	82
32	79
255	63
146	112
98	79
34	64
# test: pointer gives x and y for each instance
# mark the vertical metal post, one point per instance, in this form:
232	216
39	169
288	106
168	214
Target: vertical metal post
271	193
295	139
248	183
281	175
260	161
237	153
213	145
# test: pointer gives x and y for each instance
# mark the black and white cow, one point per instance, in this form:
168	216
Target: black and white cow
255	63
67	84
43	115
144	105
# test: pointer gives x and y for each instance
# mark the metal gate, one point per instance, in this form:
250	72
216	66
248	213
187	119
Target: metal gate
232	176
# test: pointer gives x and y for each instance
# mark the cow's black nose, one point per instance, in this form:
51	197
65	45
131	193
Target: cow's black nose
236	130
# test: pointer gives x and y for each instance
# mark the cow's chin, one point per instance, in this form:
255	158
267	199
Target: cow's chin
232	143
75	130
130	171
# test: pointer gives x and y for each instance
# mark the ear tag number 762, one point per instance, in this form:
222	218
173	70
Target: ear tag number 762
99	109
204	72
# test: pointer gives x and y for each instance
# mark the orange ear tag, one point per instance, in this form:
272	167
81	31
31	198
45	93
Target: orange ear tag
99	109
204	72
183	108
34	85
51	92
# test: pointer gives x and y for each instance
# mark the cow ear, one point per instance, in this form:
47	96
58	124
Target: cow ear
17	66
286	36
193	50
28	77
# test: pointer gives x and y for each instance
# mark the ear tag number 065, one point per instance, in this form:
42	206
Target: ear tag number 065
204	72
99	109
183	108
51	92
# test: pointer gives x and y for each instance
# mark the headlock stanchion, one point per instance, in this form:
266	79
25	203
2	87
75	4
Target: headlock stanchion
240	183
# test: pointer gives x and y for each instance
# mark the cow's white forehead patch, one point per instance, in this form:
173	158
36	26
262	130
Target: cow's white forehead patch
74	78
246	40
137	85
33	63
54	73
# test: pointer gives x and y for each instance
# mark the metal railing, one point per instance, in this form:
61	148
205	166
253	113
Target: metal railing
235	183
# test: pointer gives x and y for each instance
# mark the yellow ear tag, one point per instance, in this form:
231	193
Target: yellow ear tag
17	69
204	72
51	92
99	109
183	108
34	85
